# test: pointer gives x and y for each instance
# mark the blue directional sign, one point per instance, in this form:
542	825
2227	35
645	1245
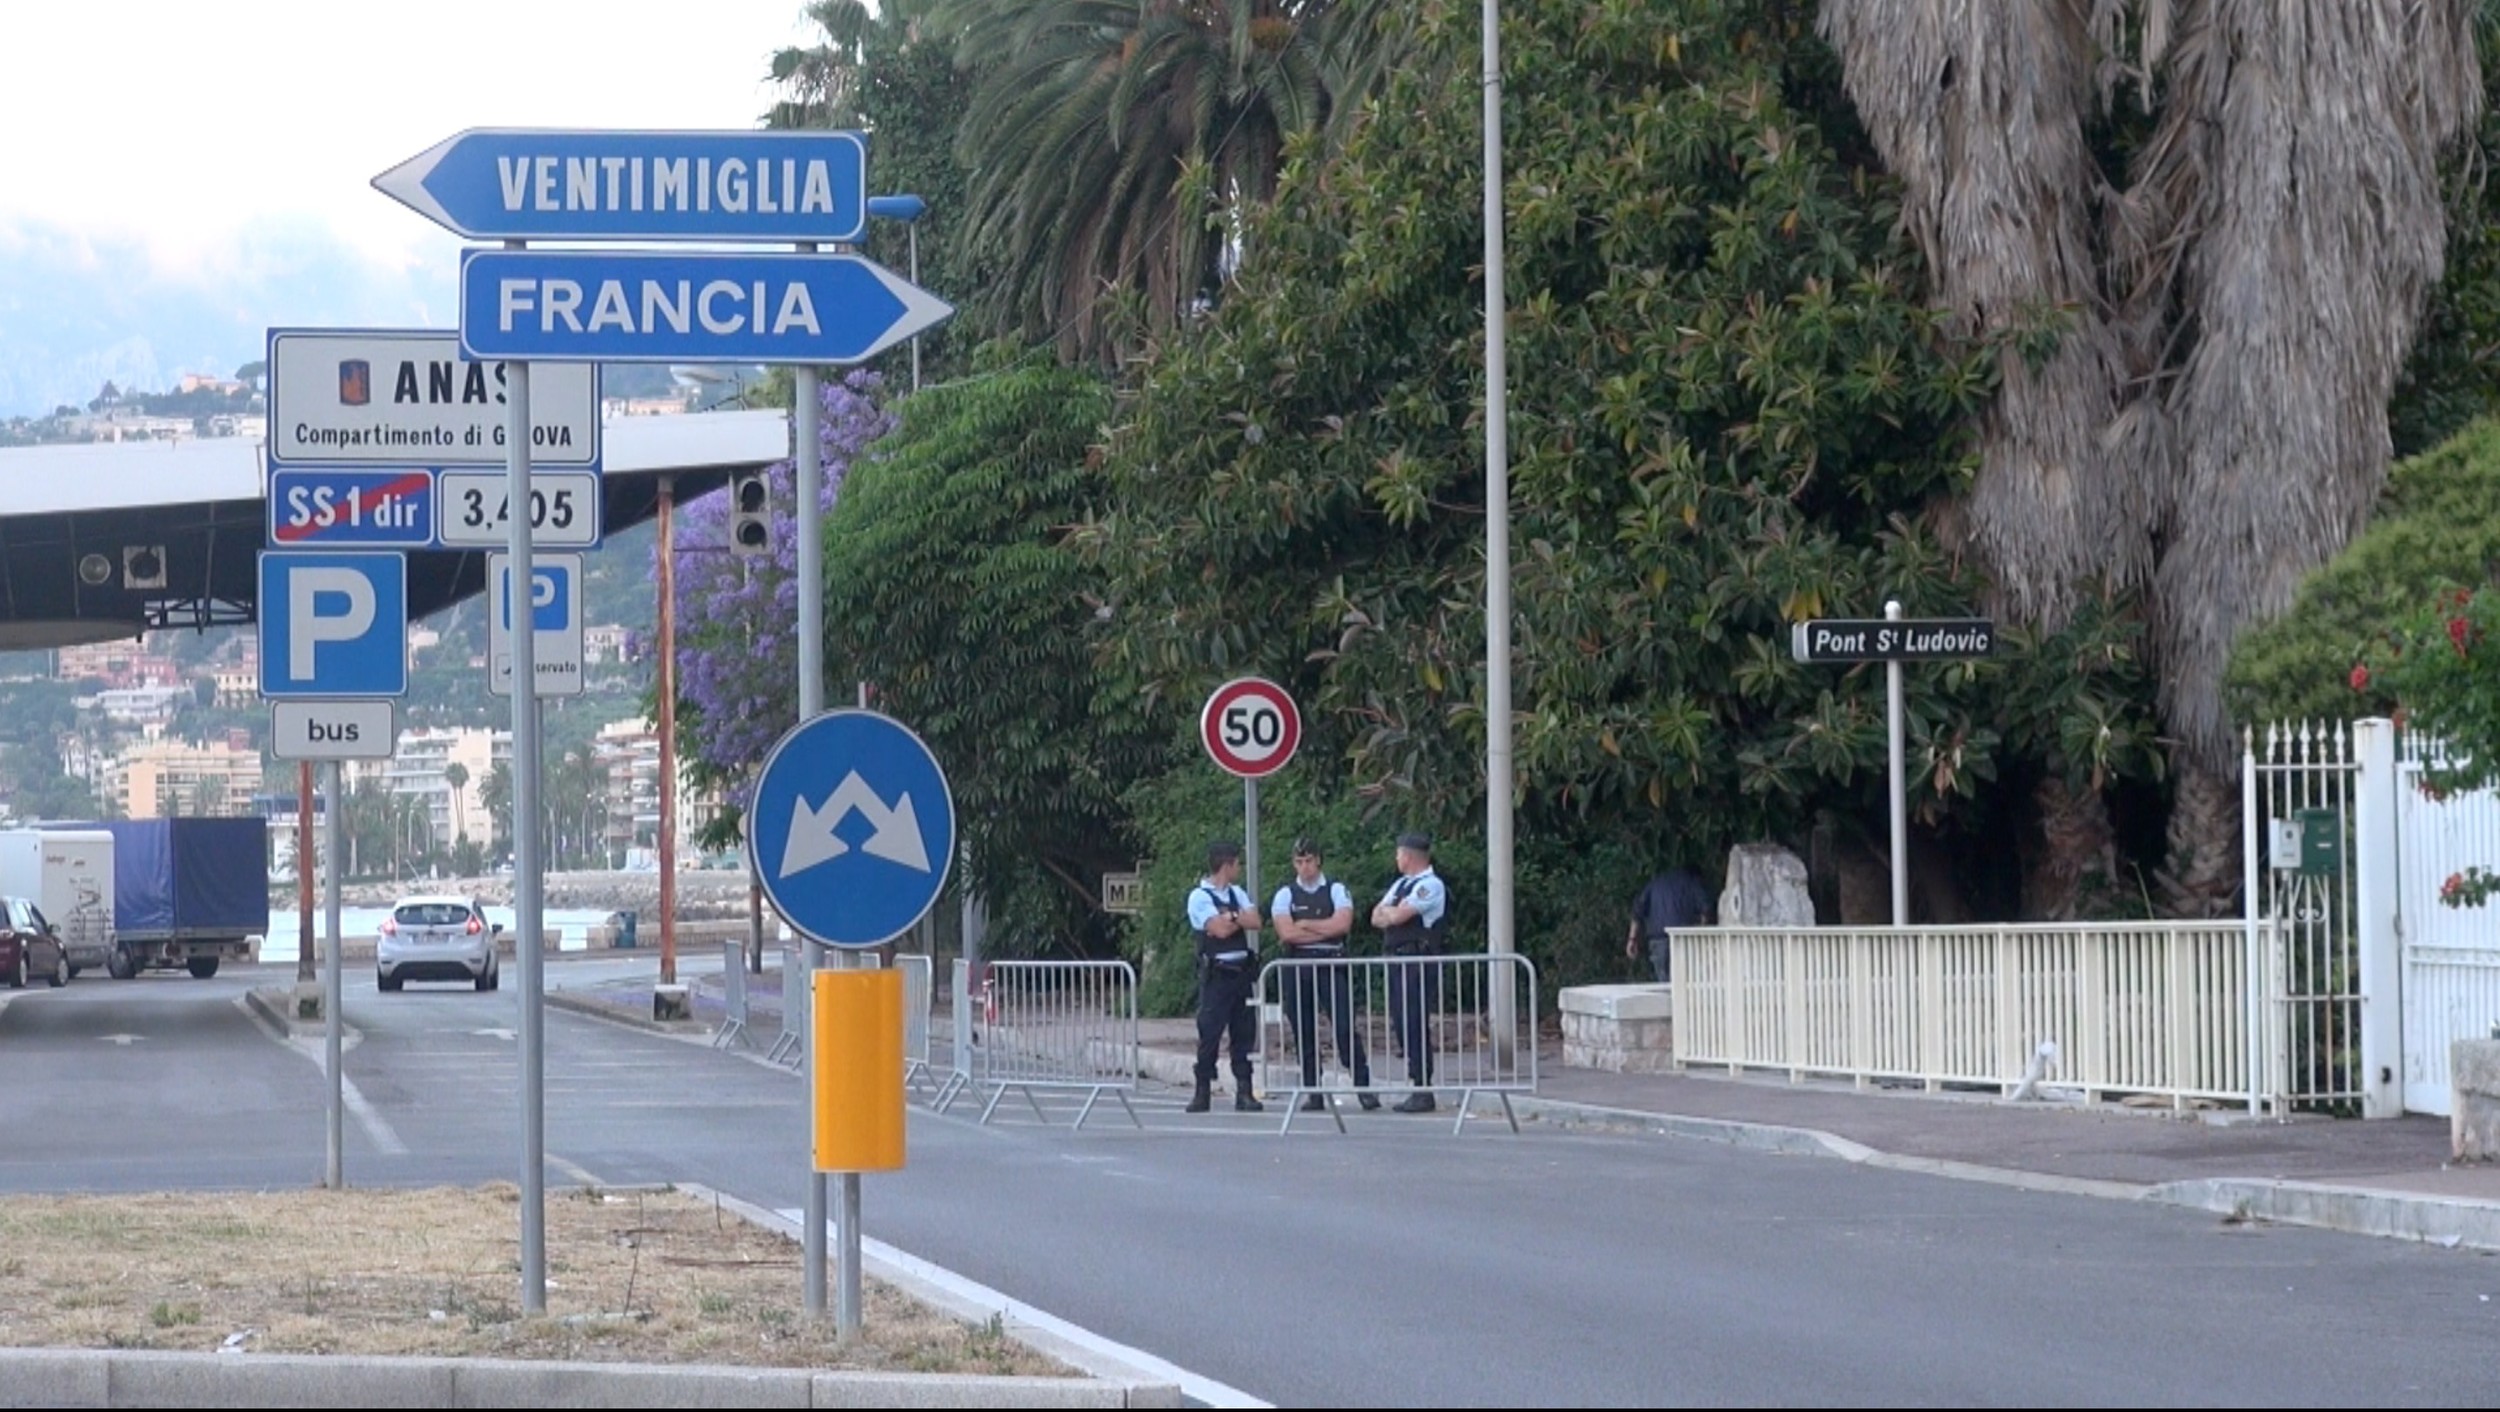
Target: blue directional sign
334	507
555	184
333	624
853	828
647	306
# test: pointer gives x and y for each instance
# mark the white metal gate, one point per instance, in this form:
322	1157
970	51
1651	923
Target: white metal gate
2313	981
2451	975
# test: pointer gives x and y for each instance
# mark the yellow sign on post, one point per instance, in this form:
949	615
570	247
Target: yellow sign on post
858	1035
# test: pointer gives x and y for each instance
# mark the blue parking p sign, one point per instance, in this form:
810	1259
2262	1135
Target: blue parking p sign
333	625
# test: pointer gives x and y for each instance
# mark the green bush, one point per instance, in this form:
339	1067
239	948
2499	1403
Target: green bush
2437	529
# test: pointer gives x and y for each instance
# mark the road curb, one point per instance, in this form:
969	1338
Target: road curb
276	1004
2432	1220
603	1010
86	1377
2320	1206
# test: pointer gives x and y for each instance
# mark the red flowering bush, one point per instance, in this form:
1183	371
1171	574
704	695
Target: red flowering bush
2454	696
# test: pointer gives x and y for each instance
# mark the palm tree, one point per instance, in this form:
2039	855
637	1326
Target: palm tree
2200	347
456	775
823	80
495	792
1111	142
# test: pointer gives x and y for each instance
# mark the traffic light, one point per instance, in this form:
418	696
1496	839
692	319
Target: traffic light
750	515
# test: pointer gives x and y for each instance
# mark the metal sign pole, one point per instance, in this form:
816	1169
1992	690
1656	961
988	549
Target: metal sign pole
335	1172
1250	838
1900	782
809	526
528	886
846	1290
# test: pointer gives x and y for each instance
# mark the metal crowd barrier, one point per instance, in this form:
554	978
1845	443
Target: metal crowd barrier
917	980
1058	1025
791	1047
1396	1026
733	974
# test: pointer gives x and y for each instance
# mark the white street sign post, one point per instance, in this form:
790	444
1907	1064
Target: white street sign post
333	730
1893	640
476	510
408	397
555	616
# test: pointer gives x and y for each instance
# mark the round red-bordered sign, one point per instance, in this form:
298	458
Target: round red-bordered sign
1250	727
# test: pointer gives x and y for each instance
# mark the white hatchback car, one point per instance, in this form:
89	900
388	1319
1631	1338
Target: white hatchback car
437	939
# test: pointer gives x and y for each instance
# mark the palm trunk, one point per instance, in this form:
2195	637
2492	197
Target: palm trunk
2073	871
2202	875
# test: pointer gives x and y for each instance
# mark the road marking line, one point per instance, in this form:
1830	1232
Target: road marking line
377	1128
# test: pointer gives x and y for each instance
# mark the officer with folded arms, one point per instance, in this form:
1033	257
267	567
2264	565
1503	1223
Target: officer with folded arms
1227	927
1412	918
1313	915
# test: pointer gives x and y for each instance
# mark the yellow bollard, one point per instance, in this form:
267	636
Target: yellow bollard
858	1034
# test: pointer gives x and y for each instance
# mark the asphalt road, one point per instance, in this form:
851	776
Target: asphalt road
1397	1265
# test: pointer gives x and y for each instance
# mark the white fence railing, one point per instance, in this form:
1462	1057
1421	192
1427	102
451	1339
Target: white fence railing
1400	1027
2131	1008
1046	1026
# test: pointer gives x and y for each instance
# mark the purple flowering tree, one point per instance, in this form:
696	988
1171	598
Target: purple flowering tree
737	618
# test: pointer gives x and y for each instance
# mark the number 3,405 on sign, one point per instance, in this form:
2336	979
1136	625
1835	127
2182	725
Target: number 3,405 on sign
1250	727
477	510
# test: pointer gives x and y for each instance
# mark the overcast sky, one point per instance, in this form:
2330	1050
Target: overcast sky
210	133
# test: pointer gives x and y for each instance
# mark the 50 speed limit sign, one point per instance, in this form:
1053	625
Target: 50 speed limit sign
1250	726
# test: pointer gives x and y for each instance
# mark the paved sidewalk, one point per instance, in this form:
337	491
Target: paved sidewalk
2384	1178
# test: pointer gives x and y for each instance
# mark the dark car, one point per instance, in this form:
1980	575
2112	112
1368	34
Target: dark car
29	947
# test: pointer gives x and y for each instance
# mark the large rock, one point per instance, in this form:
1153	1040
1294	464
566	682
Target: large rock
1766	887
2474	1099
1624	1029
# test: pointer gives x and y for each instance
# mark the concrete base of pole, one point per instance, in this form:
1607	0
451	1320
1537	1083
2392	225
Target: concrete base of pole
671	1002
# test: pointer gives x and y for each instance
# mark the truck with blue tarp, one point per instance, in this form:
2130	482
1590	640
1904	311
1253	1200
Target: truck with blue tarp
187	893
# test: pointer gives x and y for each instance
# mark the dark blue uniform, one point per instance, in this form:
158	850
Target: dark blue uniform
1227	973
1415	991
1307	989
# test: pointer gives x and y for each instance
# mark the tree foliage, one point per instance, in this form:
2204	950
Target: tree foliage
2437	529
1729	411
737	646
948	592
1114	145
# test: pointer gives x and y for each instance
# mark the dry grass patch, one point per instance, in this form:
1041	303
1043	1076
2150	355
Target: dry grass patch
646	1277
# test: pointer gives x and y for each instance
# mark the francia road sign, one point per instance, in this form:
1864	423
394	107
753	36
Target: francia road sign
555	184
642	306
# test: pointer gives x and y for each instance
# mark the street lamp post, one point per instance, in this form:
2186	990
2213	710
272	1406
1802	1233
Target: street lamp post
1499	935
908	209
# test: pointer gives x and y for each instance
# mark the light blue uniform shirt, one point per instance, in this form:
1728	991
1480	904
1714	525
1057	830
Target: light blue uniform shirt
1424	893
1205	900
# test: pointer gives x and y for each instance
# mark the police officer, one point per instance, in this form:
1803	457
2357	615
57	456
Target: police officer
1412	918
1227	927
1313	915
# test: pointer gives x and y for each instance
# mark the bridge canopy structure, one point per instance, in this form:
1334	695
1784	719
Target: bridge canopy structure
107	541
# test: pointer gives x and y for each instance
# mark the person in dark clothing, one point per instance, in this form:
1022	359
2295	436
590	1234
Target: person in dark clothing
1312	914
1226	924
1672	899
